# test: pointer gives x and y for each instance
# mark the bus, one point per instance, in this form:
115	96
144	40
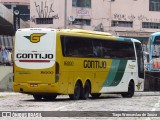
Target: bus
154	52
152	63
79	63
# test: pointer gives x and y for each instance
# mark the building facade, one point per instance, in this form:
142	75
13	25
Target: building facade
131	18
7	20
22	5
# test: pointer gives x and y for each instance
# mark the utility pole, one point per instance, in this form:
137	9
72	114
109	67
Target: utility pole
65	14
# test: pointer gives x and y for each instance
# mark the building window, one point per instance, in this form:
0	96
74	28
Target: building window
44	20
122	23
154	5
24	12
150	25
23	9
81	3
82	22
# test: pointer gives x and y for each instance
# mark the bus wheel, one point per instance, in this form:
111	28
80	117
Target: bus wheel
130	92
95	95
77	92
50	97
37	97
86	90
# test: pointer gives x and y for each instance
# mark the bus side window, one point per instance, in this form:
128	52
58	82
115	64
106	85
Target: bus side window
105	53
70	53
97	48
74	52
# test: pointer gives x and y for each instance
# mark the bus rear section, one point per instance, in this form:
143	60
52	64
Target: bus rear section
34	61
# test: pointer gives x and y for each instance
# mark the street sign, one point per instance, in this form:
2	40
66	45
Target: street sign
16	18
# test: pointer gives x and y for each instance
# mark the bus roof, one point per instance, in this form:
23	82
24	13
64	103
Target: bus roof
155	37
135	40
70	31
155	34
86	32
25	29
128	39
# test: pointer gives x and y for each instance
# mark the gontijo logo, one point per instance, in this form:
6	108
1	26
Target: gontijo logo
35	37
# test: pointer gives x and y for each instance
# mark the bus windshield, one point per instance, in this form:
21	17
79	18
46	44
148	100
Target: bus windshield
157	40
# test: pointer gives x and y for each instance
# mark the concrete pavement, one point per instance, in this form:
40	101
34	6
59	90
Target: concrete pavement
6	78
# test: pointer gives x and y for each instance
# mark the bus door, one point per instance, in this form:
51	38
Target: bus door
140	60
140	64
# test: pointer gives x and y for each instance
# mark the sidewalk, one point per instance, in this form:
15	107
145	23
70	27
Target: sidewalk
152	93
4	71
3	94
6	78
136	94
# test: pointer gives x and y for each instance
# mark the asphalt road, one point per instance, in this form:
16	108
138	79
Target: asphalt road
106	107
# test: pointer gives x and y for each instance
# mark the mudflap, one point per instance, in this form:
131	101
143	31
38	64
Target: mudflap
152	81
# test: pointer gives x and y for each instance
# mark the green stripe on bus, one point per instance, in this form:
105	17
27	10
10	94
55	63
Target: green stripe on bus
119	73
112	73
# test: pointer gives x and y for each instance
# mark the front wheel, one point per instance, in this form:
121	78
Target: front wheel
130	92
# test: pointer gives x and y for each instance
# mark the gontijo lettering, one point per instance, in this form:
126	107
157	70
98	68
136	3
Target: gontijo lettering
94	64
34	56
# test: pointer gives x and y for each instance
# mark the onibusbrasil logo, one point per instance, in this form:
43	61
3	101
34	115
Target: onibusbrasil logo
35	37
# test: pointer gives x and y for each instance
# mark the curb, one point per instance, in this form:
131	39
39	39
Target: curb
147	93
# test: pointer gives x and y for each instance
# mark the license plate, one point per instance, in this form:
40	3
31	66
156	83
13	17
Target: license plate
33	85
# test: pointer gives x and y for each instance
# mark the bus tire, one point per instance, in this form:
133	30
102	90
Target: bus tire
77	92
130	92
95	95
50	97
86	90
37	97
